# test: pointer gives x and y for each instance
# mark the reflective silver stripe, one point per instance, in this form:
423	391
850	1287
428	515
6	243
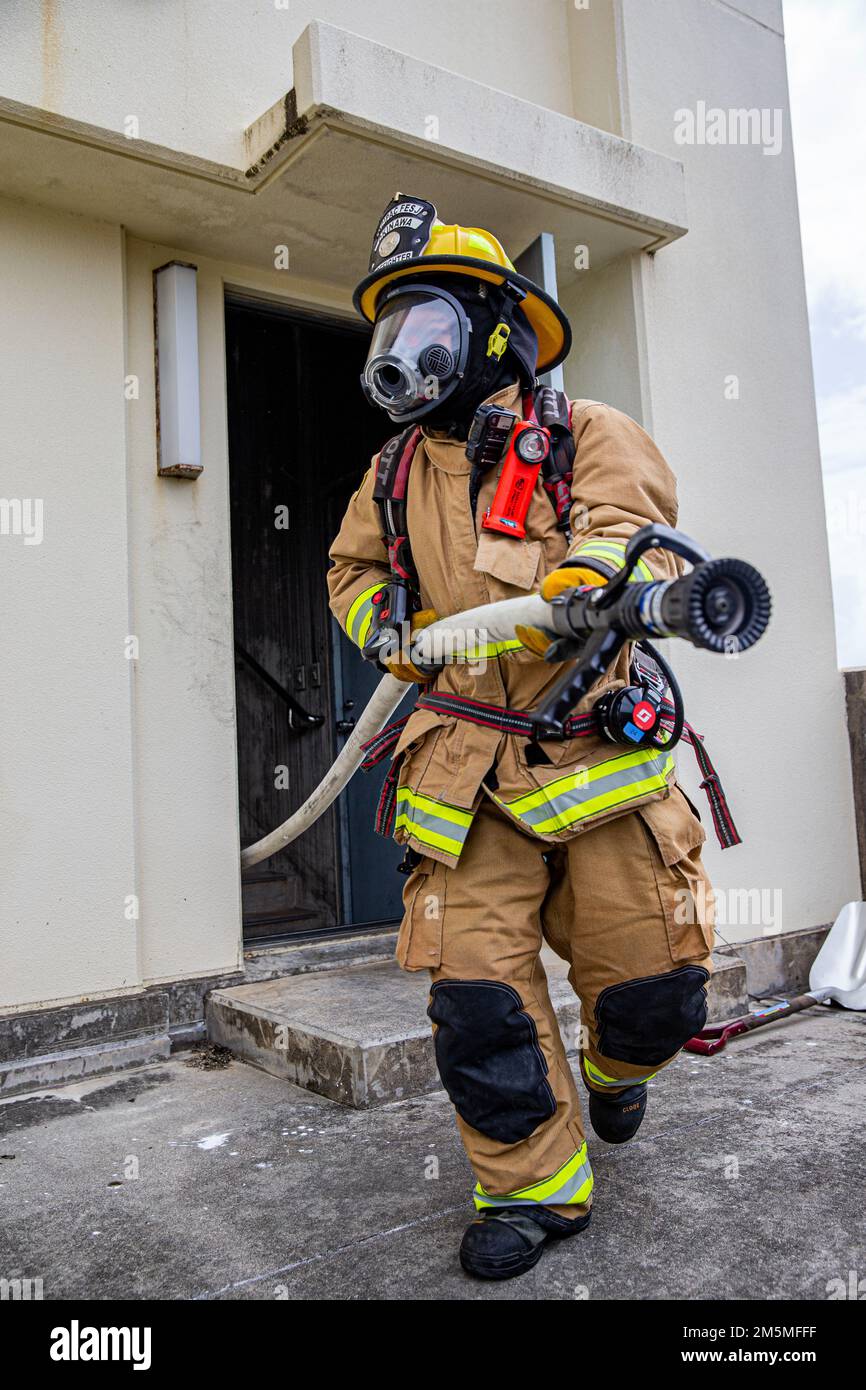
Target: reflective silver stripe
610	551
585	794
575	1187
432	822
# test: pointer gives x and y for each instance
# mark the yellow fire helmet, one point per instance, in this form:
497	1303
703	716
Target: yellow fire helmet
410	240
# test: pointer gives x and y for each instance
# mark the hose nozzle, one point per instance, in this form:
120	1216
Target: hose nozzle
723	605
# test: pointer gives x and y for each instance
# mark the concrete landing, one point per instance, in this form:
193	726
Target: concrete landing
745	1181
361	1035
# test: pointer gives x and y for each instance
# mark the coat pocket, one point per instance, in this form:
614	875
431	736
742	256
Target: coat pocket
417	744
419	941
676	836
419	729
512	562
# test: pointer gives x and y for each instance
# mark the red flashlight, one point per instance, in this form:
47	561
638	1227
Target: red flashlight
528	449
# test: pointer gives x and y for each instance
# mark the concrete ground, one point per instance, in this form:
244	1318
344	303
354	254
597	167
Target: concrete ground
746	1181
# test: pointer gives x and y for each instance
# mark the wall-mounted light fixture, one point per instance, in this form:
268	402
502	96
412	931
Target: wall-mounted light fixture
175	316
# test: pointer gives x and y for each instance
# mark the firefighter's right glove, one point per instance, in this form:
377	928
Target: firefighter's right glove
403	667
559	581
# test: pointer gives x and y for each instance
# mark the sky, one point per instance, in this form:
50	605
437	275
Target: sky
826	45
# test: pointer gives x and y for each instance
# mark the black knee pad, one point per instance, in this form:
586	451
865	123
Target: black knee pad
489	1058
646	1021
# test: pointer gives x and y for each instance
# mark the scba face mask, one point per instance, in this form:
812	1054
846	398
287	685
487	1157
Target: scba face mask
418	352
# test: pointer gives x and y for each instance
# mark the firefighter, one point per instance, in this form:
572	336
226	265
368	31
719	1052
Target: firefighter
590	847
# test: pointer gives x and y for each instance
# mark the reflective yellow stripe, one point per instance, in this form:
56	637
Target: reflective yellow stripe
592	791
599	1078
361	615
583	777
570	1185
432	822
475	652
585	810
435	808
611	552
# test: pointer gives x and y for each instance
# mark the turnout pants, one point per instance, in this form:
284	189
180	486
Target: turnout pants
627	905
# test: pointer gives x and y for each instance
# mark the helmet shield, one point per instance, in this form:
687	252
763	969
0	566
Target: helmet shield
417	353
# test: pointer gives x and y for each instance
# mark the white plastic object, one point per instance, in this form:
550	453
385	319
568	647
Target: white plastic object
839	969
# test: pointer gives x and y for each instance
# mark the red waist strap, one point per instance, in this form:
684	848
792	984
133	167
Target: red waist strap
518	722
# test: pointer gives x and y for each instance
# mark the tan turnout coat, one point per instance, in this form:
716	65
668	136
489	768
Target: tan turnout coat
621	482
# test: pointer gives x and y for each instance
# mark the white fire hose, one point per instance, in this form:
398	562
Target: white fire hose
450	639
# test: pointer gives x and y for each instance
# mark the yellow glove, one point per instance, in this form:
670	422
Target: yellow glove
568	577
553	584
404	668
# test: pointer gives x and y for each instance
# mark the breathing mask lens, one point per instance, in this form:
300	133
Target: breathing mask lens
417	353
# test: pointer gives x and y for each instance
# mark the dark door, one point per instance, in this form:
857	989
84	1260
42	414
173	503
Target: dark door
300	437
371	885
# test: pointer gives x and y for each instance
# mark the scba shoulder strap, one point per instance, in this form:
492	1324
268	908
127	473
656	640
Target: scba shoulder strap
390	493
547	407
552	409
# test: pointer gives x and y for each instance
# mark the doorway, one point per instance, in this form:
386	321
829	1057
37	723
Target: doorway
301	435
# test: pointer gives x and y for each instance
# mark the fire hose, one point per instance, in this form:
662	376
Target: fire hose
721	605
493	622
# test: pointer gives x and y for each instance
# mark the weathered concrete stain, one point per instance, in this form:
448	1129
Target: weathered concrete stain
295	126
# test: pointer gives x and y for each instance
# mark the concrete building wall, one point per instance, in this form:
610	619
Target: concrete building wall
120	778
593	58
729	300
607	361
67	862
195	74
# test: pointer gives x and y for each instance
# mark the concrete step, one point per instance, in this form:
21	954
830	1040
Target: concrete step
361	1036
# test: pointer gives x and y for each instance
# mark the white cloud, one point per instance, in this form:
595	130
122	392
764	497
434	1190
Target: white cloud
842	422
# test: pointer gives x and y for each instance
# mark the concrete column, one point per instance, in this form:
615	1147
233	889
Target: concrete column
855	688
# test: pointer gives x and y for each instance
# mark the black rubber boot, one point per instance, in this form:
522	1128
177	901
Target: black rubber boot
504	1241
618	1118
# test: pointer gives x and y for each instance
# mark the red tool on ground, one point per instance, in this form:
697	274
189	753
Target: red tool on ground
838	973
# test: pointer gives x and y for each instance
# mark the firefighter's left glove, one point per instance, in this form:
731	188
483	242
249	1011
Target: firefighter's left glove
559	581
402	666
568	577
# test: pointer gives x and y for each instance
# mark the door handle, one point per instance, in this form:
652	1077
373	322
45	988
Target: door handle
301	722
345	726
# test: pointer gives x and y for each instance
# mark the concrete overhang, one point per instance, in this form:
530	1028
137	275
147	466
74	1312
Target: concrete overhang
322	163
